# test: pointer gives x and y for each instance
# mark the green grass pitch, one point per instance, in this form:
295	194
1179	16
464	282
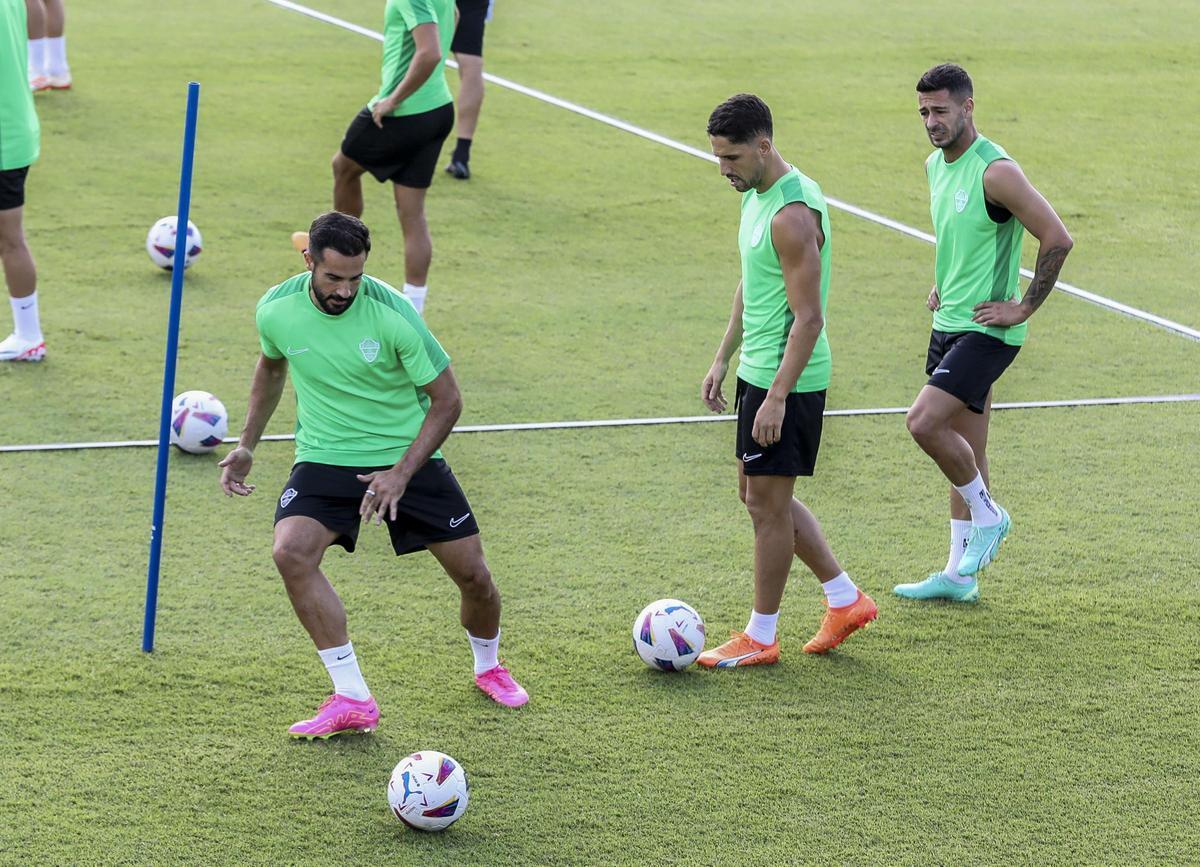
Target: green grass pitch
583	273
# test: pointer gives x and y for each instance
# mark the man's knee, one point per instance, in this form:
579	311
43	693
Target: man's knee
476	582
294	556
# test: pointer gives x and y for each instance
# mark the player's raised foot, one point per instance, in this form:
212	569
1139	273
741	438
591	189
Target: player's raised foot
459	170
501	688
339	715
14	348
939	586
740	649
59	82
300	241
983	545
840	623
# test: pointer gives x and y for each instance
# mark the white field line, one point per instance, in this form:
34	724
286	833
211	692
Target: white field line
1100	300
639	422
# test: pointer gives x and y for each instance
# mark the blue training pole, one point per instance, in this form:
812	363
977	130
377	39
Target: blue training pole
168	392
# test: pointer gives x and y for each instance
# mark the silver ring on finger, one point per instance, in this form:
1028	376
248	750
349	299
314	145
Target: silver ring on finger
370	493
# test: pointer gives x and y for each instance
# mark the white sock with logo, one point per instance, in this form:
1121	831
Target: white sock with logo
342	665
486	652
762	627
56	56
960	532
416	294
37	57
840	591
25	318
984	513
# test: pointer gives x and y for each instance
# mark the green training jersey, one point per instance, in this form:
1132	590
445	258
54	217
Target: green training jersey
399	20
977	259
358	375
19	131
767	319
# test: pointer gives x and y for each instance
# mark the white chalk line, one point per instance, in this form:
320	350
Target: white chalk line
640	422
1075	291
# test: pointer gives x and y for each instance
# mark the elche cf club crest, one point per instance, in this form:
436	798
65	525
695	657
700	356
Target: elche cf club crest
369	349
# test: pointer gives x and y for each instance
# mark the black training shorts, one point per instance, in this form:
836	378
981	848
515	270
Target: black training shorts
468	35
433	508
796	452
12	188
966	364
405	151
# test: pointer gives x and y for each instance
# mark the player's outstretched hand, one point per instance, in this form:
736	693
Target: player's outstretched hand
710	391
234	469
934	301
384	490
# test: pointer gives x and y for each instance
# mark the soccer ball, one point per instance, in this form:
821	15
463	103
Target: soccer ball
428	791
668	634
199	422
160	243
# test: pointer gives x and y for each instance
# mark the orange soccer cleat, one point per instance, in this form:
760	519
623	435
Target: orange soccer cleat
839	623
740	649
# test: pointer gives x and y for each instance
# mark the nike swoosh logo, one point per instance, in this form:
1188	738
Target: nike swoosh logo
26	306
291	351
734	660
748	458
340	658
941	370
454	522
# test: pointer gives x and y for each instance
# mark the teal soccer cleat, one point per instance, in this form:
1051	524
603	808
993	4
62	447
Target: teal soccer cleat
939	586
983	545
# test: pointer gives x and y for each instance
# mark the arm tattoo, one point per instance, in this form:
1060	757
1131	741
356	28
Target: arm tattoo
1045	275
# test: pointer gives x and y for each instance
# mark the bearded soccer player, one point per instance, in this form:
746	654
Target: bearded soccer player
375	399
981	203
778	319
399	135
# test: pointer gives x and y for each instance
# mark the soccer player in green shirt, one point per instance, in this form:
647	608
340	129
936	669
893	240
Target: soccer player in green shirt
375	398
981	203
20	141
399	135
778	319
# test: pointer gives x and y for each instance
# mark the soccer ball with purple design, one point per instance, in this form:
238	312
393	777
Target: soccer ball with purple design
668	635
160	243
199	422
428	791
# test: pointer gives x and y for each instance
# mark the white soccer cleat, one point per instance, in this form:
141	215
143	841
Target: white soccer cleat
38	83
59	82
16	349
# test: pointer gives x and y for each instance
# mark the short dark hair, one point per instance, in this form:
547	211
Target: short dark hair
947	76
741	118
338	231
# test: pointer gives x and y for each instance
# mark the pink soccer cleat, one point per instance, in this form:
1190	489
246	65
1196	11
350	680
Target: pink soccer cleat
501	687
339	715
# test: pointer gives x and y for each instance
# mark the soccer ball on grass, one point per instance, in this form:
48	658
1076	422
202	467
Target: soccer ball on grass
428	791
668	635
160	243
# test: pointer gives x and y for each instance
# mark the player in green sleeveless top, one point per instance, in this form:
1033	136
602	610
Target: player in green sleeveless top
779	320
375	398
19	144
981	204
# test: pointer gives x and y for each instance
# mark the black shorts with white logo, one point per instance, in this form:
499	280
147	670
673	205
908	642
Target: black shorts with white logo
468	35
12	188
433	508
966	364
405	151
796	452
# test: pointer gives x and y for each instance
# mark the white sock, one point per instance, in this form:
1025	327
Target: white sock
37	57
486	652
25	318
840	591
960	531
56	56
416	294
762	627
984	512
342	665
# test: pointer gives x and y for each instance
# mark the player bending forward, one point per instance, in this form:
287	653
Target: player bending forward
375	398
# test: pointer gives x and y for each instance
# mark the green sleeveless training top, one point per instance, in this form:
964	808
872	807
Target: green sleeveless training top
357	375
977	258
19	134
767	319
